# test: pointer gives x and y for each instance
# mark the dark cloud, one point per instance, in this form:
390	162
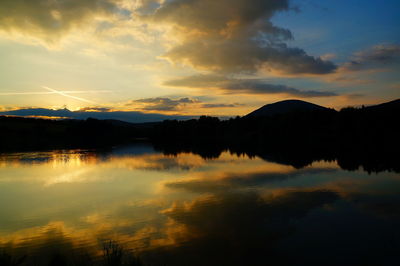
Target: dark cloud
376	57
220	105
246	56
234	36
95	109
259	87
168	104
162	104
206	14
50	19
248	86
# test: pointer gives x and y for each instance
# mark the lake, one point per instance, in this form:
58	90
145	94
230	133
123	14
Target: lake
134	205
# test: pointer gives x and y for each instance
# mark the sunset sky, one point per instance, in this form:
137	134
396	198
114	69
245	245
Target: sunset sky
193	57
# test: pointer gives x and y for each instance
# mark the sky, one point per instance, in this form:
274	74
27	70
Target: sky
197	57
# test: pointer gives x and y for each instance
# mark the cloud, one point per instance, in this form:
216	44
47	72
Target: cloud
95	109
239	56
161	104
168	104
220	105
246	86
227	36
49	20
232	36
360	68
376	57
259	87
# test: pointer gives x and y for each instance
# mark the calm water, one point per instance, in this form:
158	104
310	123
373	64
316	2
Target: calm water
61	207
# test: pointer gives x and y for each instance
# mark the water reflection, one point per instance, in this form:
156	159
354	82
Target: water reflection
64	208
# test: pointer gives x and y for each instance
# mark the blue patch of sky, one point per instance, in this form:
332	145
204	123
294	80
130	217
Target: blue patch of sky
341	27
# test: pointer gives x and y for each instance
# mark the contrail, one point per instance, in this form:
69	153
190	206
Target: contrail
67	95
49	92
80	92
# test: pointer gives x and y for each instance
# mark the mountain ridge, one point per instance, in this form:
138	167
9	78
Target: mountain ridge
125	116
277	108
286	106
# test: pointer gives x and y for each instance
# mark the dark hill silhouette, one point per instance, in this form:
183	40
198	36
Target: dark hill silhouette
39	112
284	107
388	106
126	116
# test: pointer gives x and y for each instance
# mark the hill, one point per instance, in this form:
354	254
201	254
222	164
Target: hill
388	106
284	107
125	116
